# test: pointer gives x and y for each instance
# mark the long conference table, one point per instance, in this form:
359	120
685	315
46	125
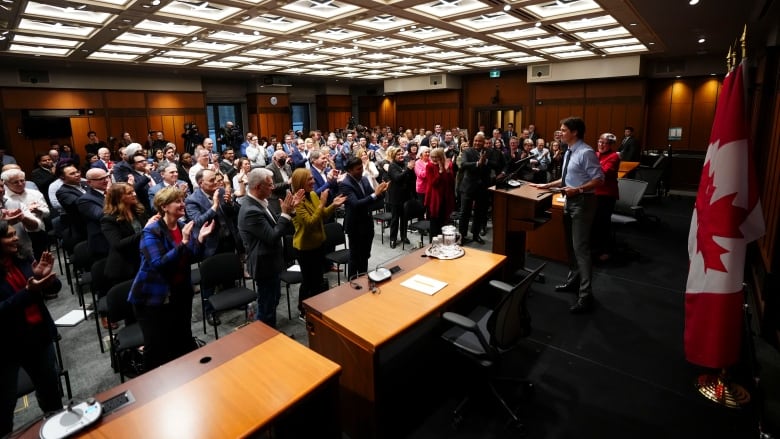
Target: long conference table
255	378
363	331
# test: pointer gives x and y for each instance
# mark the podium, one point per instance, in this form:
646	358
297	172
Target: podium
516	211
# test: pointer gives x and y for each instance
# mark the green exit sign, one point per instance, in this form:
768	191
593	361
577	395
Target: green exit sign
495	73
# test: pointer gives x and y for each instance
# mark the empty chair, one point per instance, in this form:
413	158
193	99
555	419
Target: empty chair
290	277
381	215
224	273
628	207
415	213
99	288
127	338
487	335
334	236
82	265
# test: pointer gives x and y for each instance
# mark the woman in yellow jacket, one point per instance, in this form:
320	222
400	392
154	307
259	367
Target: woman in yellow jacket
310	232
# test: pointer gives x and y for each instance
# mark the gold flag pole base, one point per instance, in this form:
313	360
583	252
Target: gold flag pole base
719	389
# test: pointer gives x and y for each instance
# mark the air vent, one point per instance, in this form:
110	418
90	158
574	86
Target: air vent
540	71
435	80
33	76
670	67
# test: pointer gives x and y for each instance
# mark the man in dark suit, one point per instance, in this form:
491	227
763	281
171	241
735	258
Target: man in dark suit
226	164
629	148
262	233
141	179
42	175
281	174
510	131
90	206
324	176
299	155
104	160
473	188
208	203
73	227
170	177
358	222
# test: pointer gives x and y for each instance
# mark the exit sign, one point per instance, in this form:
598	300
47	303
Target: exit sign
495	73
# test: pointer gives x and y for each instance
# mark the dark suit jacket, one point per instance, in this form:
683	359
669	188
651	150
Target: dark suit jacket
402	183
299	161
475	178
91	209
358	219
121	170
262	237
321	184
74	226
141	186
280	187
124	256
198	207
629	150
42	179
99	164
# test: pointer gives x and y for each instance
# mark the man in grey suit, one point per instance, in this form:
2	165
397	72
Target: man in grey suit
282	172
262	233
170	176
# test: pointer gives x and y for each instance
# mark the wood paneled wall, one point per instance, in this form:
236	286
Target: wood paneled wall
266	119
424	110
333	111
480	90
113	112
687	103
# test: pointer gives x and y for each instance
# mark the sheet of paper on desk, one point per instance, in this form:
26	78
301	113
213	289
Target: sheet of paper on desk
424	284
560	198
72	318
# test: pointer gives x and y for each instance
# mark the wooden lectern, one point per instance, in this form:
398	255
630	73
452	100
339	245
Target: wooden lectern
517	210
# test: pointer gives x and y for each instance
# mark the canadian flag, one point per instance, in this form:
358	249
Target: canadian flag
727	216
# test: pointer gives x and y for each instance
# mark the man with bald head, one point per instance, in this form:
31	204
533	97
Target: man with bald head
90	206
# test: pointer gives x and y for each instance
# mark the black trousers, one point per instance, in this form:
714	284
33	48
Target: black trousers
311	262
479	201
398	218
359	251
167	330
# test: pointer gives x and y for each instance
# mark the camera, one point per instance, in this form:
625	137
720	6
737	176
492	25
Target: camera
189	126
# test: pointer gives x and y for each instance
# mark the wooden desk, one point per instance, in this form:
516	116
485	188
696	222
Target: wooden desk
549	241
626	167
256	375
363	332
517	211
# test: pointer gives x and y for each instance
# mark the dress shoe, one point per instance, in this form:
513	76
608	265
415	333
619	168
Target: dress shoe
583	305
478	239
406	241
393	244
335	268
213	320
570	286
464	241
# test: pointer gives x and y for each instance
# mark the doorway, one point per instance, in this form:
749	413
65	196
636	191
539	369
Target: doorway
300	118
218	114
497	117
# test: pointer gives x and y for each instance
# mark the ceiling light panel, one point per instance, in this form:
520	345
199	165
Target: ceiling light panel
617	42
199	9
295	45
383	23
212	46
339	50
573	54
239	59
40	50
169	60
237	37
541	42
472	59
508	55
267	52
526	59
57	29
462	42
407	60
427	33
337	34
518	34
126	49
275	23
489	21
377	65
168	28
449	8
112	56
635	48
219	65
132	37
321	8
614	32
424	71
381	42
259	68
281	63
557	9
587	23
491	63
310	57
378	56
106	2
295	70
187	54
67	13
44	41
487	50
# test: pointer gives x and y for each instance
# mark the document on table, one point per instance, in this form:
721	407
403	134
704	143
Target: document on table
424	284
72	318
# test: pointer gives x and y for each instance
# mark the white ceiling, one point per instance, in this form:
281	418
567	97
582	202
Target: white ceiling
355	39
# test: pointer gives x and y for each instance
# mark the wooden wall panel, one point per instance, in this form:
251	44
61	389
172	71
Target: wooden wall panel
23	98
680	116
688	103
125	99
175	100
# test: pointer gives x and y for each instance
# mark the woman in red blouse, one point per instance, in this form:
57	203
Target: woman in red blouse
440	194
606	195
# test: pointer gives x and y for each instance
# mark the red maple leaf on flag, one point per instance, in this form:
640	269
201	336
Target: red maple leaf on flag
720	218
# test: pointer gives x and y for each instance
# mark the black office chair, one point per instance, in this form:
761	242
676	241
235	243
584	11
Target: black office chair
415	214
224	273
381	215
334	236
487	335
127	338
290	277
99	288
82	261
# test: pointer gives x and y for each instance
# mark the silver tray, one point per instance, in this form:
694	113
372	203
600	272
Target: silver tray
441	253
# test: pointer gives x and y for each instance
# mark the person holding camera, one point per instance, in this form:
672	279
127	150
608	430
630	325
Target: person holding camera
229	135
192	137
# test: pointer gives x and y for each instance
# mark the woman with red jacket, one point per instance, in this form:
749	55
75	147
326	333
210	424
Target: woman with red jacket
440	195
606	196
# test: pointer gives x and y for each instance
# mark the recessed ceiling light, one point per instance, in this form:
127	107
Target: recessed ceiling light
538	24
155	2
701	40
507	8
632	24
693	2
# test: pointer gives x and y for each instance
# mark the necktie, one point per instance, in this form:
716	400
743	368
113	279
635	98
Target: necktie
565	166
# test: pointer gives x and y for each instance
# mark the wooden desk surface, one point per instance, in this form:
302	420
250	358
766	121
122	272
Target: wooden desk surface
255	374
626	167
376	318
